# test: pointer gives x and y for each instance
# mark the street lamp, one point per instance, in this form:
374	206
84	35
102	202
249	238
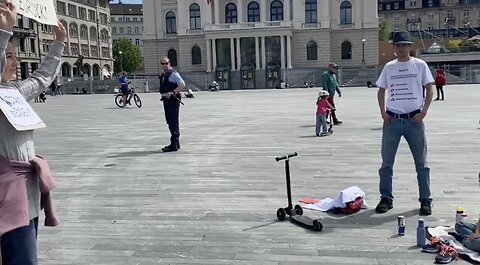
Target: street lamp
363	51
121	60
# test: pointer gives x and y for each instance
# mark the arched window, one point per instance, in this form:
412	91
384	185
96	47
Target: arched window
346	50
345	13
195	20
231	13
253	12
172	55
171	22
196	55
93	33
73	30
312	51
104	35
276	11
310	11
83	32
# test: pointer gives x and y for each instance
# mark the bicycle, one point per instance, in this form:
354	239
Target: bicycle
131	94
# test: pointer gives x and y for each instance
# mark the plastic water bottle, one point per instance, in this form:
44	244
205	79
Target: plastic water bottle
421	233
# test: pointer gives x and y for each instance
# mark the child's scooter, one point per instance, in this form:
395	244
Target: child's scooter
296	214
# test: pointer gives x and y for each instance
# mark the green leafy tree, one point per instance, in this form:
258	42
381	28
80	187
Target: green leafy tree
383	32
130	58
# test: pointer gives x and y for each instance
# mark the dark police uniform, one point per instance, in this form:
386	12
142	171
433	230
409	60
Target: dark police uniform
172	107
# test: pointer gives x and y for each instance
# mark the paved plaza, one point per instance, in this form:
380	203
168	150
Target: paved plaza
123	201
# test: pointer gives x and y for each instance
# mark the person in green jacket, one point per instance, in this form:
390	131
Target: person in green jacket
330	84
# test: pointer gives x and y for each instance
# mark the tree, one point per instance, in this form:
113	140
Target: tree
130	58
383	32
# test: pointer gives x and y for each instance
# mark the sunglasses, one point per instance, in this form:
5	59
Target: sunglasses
165	63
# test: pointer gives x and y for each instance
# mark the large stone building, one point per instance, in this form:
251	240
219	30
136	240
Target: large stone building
27	45
442	18
256	43
89	35
127	22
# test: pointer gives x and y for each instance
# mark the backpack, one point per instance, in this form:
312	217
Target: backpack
351	207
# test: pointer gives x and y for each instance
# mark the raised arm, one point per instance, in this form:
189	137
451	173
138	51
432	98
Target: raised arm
8	15
46	73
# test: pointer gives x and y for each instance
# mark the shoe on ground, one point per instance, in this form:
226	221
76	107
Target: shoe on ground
435	245
317	134
447	254
425	208
384	205
337	122
170	148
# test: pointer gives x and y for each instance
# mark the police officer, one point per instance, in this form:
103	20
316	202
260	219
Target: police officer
171	84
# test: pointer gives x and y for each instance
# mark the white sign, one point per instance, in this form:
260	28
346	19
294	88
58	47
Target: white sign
42	11
18	112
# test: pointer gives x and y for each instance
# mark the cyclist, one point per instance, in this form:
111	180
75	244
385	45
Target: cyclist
124	87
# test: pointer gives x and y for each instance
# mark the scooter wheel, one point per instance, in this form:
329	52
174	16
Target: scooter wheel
281	214
317	226
298	210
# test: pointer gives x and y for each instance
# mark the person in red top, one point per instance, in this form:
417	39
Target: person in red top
440	82
322	108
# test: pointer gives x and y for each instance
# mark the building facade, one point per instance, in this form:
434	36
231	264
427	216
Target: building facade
259	41
27	45
127	22
442	18
89	36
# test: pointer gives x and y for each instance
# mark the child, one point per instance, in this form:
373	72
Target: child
322	107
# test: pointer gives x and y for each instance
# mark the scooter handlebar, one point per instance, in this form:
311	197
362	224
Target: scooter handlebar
285	156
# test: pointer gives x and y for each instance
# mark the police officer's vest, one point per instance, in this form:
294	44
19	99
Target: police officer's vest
165	84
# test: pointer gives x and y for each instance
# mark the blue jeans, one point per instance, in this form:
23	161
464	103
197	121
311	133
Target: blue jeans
414	134
465	230
321	123
19	247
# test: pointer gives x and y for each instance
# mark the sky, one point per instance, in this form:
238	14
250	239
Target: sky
129	1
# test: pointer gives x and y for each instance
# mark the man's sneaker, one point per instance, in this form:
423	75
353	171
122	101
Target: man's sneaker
447	255
426	207
384	205
435	245
170	148
337	122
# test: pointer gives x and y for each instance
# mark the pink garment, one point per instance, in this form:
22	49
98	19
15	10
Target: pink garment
322	106
13	192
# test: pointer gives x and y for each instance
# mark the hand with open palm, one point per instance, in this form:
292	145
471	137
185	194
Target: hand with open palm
8	15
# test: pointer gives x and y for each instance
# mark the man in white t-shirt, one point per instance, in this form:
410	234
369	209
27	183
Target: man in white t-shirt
403	80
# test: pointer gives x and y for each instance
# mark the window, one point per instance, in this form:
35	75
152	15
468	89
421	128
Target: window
83	13
396	18
121	30
450	14
72	10
231	13
430	16
91	15
449	2
345	13
396	29
195	22
114	30
74	49
137	31
120	19
83	32
466	13
196	55
137	42
129	30
312	51
104	35
430	3
311	11
22	45
93	51
388	6
61	8
431	27
276	11
380	17
93	33
127	19
73	30
172	55
32	45
413	27
105	52
395	5
171	23
380	6
103	18
253	10
112	19
346	50
85	50
412	3
134	19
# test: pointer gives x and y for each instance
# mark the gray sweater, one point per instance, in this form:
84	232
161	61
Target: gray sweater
16	145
